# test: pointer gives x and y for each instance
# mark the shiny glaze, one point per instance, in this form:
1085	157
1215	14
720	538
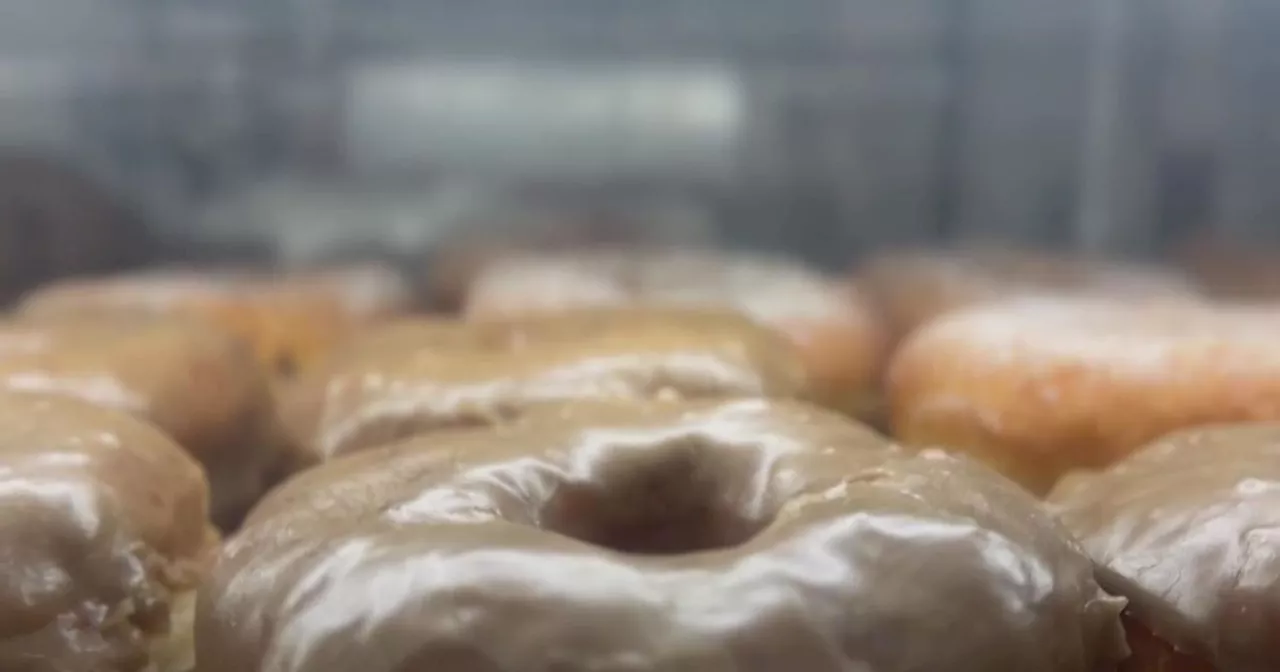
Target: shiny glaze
198	385
1187	531
103	520
290	322
712	536
836	332
419	375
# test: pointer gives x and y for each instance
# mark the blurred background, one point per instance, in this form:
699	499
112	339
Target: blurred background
298	129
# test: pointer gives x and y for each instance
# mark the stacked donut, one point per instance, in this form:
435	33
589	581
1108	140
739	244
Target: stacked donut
626	460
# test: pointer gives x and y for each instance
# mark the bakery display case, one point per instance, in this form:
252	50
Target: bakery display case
608	336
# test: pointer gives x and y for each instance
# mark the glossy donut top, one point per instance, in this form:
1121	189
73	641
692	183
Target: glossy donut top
102	520
419	375
201	386
290	323
739	536
1187	531
834	326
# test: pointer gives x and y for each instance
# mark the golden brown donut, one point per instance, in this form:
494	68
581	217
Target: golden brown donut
290	324
837	334
104	535
539	223
740	536
1041	387
421	375
364	292
1186	529
201	386
452	267
913	287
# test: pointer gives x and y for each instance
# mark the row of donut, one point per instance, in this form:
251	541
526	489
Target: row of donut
562	480
1038	364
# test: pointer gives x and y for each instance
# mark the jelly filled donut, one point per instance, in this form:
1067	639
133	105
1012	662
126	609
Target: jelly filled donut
1186	530
104	536
421	375
290	324
743	536
1041	387
838	335
201	386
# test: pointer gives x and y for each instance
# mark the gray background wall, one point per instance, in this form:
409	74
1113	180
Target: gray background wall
1107	123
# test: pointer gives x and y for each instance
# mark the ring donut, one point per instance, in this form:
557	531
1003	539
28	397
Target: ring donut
422	375
200	386
743	536
1041	387
290	323
911	288
1185	529
364	292
833	326
104	533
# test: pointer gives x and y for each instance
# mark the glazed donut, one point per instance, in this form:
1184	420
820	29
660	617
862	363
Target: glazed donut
449	273
1185	529
289	324
454	265
104	536
200	386
715	536
912	288
837	334
364	292
1041	387
422	375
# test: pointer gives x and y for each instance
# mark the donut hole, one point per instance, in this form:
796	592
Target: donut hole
678	503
